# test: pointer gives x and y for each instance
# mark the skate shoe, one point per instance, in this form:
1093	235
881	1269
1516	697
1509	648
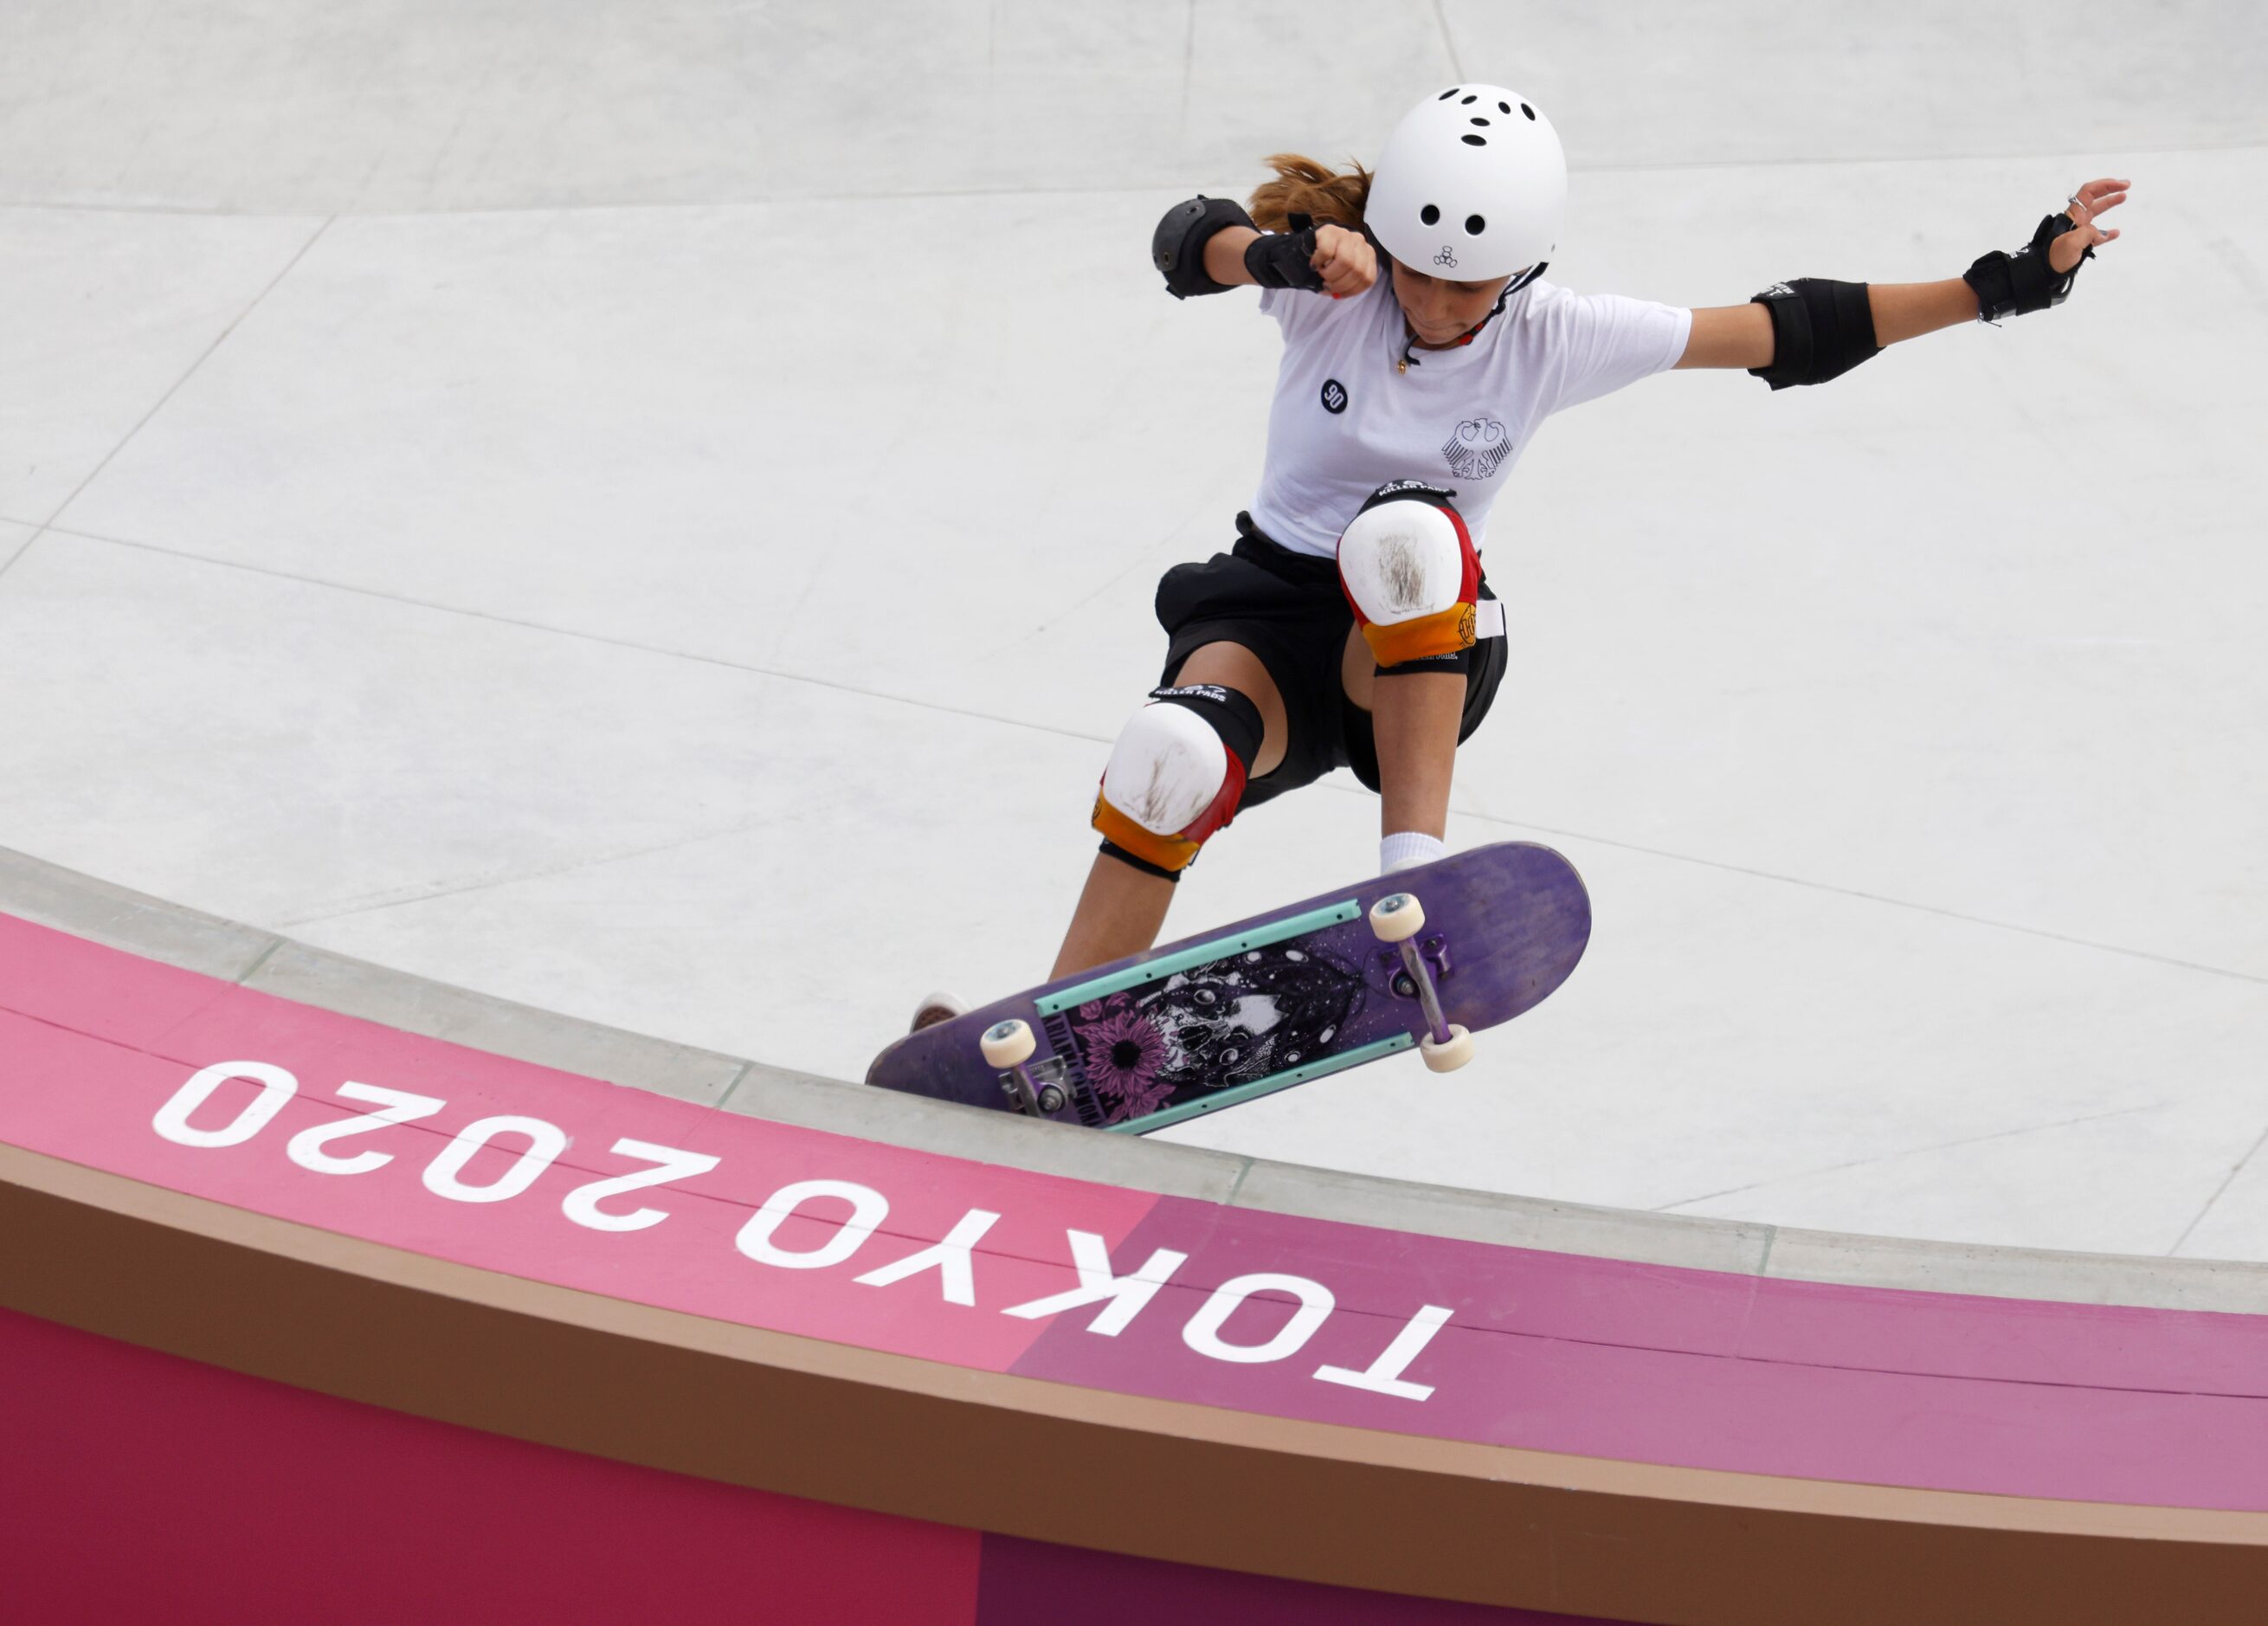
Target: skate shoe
934	1009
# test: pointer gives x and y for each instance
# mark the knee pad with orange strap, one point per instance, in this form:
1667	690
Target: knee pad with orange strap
1176	775
1410	574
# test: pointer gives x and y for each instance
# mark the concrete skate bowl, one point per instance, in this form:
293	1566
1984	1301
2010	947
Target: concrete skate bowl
327	1293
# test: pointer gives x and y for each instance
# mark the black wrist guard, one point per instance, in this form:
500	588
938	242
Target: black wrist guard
1821	329
1285	259
1177	247
2015	285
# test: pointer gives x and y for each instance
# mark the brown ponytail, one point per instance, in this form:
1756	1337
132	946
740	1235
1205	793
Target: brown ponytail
1303	187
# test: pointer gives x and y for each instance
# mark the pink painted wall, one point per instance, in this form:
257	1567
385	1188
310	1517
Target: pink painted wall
138	1487
1448	1339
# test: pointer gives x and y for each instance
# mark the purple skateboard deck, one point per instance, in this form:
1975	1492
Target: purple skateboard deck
1269	1003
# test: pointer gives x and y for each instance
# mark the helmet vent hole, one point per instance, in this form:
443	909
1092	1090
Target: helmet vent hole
1452	91
1529	111
1430	215
1505	108
1469	102
1477	141
1482	123
1474	225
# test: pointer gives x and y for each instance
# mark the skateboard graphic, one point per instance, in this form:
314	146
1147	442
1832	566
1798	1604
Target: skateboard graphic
1425	958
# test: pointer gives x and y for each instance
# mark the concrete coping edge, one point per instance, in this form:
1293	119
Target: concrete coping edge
50	895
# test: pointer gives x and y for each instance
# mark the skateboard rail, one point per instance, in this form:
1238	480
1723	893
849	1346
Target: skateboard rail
1285	1383
1155	969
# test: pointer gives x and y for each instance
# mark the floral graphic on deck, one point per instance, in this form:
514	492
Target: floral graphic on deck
1124	1056
1230	1022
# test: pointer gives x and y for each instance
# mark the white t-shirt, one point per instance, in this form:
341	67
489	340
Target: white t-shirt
1345	421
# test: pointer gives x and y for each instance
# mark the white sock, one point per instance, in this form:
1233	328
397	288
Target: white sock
1406	849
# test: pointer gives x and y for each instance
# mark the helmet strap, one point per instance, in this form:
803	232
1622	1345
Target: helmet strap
1522	280
1409	345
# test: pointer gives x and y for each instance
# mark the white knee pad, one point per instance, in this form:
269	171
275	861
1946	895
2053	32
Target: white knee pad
1409	572
1174	777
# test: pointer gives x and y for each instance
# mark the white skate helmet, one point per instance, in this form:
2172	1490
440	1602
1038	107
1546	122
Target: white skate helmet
1472	185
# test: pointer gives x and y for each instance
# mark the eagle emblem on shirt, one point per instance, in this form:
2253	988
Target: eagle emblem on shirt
1477	449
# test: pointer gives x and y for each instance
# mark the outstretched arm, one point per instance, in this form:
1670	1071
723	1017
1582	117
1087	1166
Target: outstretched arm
1740	336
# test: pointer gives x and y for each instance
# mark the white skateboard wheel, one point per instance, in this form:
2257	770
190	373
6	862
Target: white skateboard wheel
1449	1057
1005	1044
1397	916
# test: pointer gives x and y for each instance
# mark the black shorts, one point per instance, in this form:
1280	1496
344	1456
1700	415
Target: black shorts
1288	609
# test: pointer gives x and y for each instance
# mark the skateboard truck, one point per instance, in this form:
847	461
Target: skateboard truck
1436	950
1398	919
1034	1092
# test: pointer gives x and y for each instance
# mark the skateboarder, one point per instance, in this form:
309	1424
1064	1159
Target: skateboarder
1351	623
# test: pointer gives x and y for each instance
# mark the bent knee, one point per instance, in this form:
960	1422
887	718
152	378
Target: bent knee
1410	574
1177	773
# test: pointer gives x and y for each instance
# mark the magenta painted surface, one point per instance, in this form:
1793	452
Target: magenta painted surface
93	1042
1033	1584
137	1486
1702	1369
1546	1351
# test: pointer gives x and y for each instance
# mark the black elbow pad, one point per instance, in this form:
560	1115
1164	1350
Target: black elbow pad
1177	246
1821	329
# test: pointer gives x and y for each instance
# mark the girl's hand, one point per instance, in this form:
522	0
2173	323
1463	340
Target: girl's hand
2087	205
1347	262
